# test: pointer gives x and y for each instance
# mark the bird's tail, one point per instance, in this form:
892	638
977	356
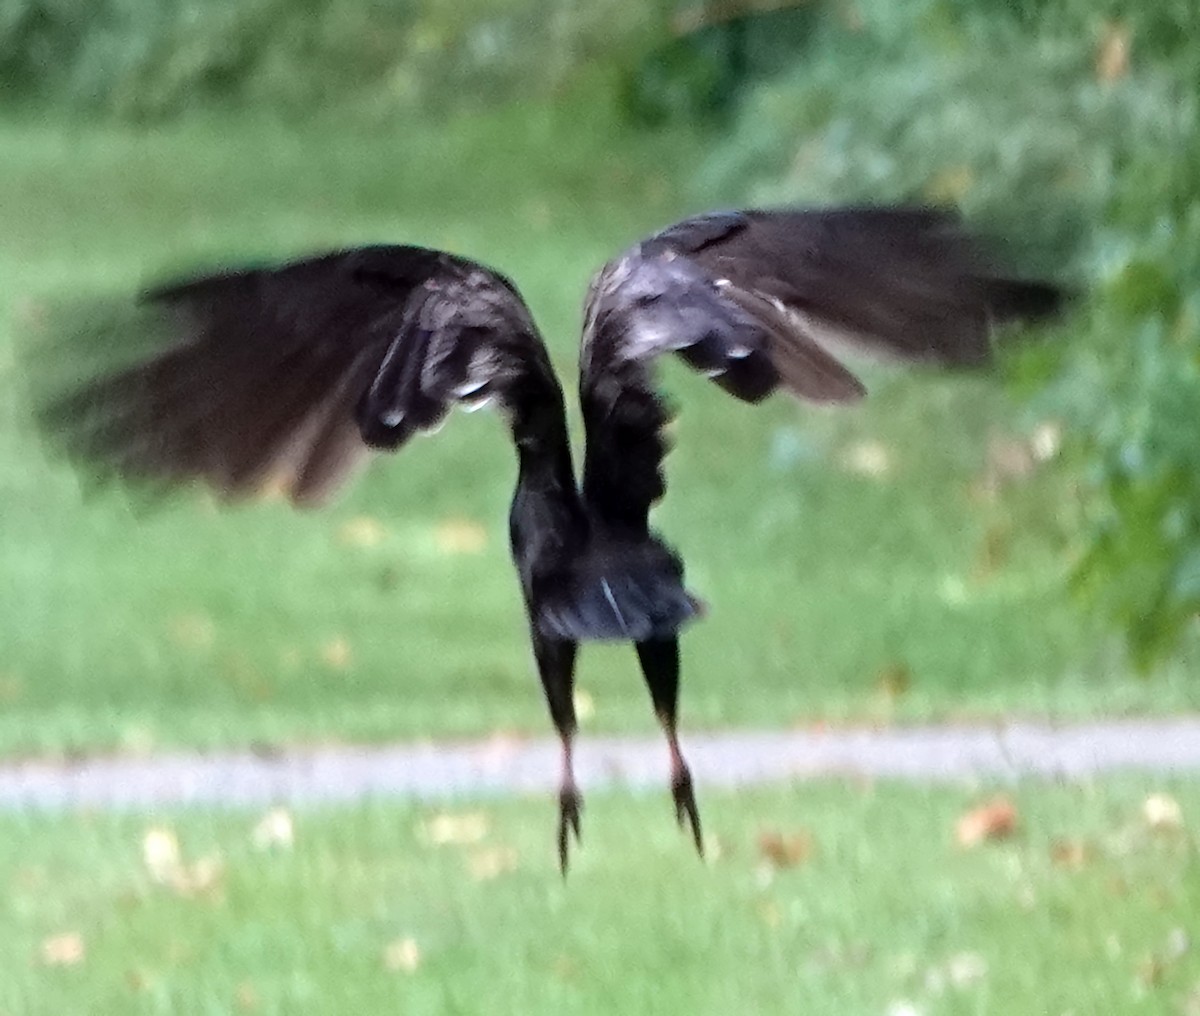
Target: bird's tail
624	592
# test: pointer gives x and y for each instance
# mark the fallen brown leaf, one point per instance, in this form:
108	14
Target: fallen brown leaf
63	950
336	653
840	956
137	739
1073	854
994	550
1112	54
164	862
770	913
246	997
1150	970
965	969
893	680
565	968
274	830
161	854
192	631
1046	440
11	687
1179	942
950	185
995	820
1008	461
785	850
402	956
449	829
244	675
200	877
32	877
491	862
1161	812
460	536
867	458
362	532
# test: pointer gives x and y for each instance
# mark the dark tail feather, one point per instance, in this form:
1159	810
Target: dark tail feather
631	597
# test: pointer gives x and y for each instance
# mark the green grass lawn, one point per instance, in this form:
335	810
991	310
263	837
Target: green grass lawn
394	613
401	908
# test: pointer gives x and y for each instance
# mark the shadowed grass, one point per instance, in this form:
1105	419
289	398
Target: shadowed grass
1083	910
394	613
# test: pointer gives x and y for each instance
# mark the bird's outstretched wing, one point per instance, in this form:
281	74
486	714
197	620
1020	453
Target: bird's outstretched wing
287	375
760	300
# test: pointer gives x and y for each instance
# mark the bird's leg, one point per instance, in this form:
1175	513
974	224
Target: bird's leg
660	666
556	668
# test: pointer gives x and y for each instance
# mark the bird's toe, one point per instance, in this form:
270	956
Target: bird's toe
686	812
570	807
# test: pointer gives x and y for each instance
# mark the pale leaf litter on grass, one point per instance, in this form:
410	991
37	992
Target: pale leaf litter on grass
454	535
163	858
402	955
163	855
65	949
995	820
274	831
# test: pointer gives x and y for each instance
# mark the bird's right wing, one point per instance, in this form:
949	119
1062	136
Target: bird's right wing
287	375
760	300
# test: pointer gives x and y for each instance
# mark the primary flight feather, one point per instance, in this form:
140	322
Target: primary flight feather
291	374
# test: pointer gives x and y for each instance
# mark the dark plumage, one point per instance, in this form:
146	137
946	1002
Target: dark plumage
290	374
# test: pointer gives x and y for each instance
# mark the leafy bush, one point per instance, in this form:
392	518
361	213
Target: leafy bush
1073	127
142	59
702	61
1130	387
150	58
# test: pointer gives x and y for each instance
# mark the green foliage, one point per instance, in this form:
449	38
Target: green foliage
150	58
1131	389
1072	128
921	106
144	59
699	70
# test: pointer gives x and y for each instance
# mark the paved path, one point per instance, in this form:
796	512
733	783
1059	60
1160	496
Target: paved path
506	765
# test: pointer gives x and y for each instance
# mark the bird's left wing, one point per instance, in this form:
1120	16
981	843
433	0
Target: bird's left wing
760	300
287	375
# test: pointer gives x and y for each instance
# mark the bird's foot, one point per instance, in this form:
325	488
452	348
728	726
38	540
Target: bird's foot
570	806
685	806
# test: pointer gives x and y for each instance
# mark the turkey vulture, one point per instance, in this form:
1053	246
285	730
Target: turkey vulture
300	369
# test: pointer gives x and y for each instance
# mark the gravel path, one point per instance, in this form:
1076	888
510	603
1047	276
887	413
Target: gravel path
508	765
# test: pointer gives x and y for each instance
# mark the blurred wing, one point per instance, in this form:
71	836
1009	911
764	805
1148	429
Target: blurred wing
760	300
286	376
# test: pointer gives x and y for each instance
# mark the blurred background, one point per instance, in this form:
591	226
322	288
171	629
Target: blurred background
967	549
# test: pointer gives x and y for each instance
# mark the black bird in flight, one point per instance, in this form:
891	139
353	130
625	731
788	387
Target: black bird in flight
301	369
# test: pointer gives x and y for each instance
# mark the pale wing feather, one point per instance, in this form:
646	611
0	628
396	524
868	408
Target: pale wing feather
762	300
